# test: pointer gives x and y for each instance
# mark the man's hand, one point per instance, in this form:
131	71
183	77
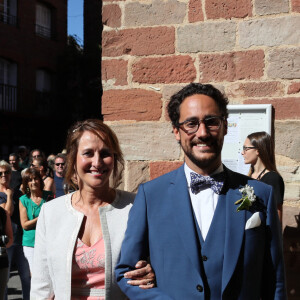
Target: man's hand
143	276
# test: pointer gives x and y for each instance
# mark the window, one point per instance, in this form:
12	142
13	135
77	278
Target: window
44	91
43	21
8	85
8	11
43	81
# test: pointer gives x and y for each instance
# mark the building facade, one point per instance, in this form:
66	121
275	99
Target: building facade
33	34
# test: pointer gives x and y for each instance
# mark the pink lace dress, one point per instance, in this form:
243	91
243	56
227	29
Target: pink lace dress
88	271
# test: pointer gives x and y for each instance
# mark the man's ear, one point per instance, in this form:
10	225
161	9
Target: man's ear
225	127
176	133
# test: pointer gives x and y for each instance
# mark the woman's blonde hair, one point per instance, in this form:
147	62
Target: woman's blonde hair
5	165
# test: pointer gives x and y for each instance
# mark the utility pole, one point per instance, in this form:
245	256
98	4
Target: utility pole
92	30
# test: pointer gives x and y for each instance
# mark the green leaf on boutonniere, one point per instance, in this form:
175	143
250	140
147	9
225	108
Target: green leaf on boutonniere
246	203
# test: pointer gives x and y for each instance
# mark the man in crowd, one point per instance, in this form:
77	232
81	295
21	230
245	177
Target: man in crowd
59	169
23	157
16	178
210	233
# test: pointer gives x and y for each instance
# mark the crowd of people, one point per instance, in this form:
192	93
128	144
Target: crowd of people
27	181
199	232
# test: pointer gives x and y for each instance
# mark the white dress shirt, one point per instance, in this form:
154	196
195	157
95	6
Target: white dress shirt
204	203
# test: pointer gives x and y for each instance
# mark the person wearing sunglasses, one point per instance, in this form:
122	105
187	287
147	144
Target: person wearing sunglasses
36	153
59	174
6	240
15	252
258	150
6	193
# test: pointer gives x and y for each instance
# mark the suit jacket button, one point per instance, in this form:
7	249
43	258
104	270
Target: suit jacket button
204	258
200	288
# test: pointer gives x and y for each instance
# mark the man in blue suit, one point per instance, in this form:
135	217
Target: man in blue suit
202	242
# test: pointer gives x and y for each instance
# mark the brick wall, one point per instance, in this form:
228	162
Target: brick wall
249	49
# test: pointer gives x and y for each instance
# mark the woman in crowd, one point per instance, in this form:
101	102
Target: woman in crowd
30	205
9	200
258	150
6	193
47	174
79	235
6	240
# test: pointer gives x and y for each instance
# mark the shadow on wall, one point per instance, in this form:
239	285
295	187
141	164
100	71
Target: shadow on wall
291	248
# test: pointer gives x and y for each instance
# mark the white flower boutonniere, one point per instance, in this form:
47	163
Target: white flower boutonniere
247	199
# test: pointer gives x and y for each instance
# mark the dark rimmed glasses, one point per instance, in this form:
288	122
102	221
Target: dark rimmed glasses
192	125
245	148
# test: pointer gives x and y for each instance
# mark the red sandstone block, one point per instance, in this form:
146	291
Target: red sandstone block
171	69
159	168
232	66
227	9
111	15
140	41
195	11
285	108
294	88
115	69
133	104
296	5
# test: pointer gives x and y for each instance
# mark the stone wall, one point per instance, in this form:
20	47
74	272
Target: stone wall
249	49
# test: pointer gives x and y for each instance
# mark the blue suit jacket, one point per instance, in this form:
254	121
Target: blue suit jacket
161	226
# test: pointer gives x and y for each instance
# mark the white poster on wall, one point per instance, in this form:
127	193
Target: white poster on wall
243	120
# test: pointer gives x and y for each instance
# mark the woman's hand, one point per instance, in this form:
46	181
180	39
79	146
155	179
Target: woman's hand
9	192
25	222
143	276
9	205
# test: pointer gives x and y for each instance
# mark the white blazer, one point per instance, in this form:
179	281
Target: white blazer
56	234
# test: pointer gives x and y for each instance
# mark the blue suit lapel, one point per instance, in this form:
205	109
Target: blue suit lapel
235	227
184	219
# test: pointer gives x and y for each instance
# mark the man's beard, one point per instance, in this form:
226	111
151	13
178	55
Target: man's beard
203	163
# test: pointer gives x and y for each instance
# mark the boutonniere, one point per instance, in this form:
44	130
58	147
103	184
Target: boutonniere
247	199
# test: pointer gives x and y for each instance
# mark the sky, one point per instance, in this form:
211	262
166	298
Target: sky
75	18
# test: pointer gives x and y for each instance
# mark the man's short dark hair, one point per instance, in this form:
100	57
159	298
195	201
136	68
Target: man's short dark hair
60	155
14	155
194	89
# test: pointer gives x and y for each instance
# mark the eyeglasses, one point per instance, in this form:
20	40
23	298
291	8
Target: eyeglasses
192	125
57	164
33	166
245	149
4	173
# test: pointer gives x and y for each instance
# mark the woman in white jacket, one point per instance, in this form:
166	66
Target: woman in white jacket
79	235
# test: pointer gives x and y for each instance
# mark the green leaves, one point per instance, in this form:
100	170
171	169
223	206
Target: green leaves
245	204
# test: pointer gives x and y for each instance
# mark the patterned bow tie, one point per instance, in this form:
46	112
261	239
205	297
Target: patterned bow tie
215	183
